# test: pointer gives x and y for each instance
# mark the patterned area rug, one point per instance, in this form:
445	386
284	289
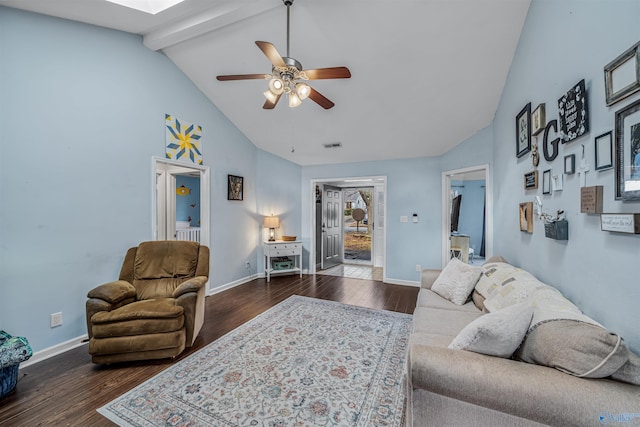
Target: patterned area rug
304	362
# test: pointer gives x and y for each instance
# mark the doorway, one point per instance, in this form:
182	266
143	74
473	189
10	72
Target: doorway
466	215
180	201
365	264
358	219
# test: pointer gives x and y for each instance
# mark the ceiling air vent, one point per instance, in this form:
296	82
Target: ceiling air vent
333	145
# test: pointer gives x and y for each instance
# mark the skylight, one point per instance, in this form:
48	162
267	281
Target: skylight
147	6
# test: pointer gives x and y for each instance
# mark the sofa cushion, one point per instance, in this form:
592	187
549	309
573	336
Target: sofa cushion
456	281
496	334
431	339
630	371
442	322
428	298
574	347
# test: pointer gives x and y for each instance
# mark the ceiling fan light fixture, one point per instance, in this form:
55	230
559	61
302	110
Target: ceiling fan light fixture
294	100
276	86
303	90
270	96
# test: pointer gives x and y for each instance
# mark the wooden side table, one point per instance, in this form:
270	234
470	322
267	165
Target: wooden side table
278	249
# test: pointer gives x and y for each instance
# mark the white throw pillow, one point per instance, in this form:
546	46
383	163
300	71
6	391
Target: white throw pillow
456	281
496	334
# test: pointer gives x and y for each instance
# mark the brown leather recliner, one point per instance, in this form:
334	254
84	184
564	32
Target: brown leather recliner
155	309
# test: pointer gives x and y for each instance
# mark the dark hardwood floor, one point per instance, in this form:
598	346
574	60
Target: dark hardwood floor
66	390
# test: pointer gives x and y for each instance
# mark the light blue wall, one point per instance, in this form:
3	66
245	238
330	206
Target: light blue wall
184	210
475	151
562	43
278	193
471	210
413	186
82	114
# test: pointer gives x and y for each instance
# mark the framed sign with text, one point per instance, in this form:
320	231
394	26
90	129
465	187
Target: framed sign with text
620	223
573	113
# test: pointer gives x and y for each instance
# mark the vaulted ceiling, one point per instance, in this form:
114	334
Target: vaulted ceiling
426	74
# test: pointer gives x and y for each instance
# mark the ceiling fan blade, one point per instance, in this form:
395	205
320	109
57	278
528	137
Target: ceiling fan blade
270	51
320	99
328	73
242	77
268	105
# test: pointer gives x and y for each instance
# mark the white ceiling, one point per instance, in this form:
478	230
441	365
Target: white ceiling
426	74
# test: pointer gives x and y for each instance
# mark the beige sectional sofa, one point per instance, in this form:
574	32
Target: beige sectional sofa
454	387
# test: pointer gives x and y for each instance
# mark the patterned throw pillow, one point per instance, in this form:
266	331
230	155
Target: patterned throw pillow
456	281
498	274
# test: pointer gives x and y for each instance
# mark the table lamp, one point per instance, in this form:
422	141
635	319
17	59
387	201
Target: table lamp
271	222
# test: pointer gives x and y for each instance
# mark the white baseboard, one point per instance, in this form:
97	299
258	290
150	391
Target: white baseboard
233	284
401	282
55	350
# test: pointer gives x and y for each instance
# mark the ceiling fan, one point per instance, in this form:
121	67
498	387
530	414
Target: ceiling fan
288	77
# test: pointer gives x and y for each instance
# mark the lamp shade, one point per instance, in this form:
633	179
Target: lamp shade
303	90
294	100
270	96
271	222
276	86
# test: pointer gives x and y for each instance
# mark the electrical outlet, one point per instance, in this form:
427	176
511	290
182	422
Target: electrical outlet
418	267
56	319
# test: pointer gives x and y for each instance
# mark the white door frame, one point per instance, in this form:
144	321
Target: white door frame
312	214
446	217
158	166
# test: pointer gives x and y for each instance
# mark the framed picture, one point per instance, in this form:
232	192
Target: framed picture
538	120
622	75
628	152
235	187
531	180
546	182
526	217
604	151
523	131
573	113
557	182
570	164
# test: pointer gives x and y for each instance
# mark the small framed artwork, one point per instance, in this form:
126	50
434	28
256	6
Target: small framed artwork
604	151
235	187
523	131
526	217
622	75
628	152
557	182
531	180
546	182
570	164
538	120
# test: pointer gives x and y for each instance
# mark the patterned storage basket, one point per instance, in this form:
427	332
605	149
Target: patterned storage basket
13	350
